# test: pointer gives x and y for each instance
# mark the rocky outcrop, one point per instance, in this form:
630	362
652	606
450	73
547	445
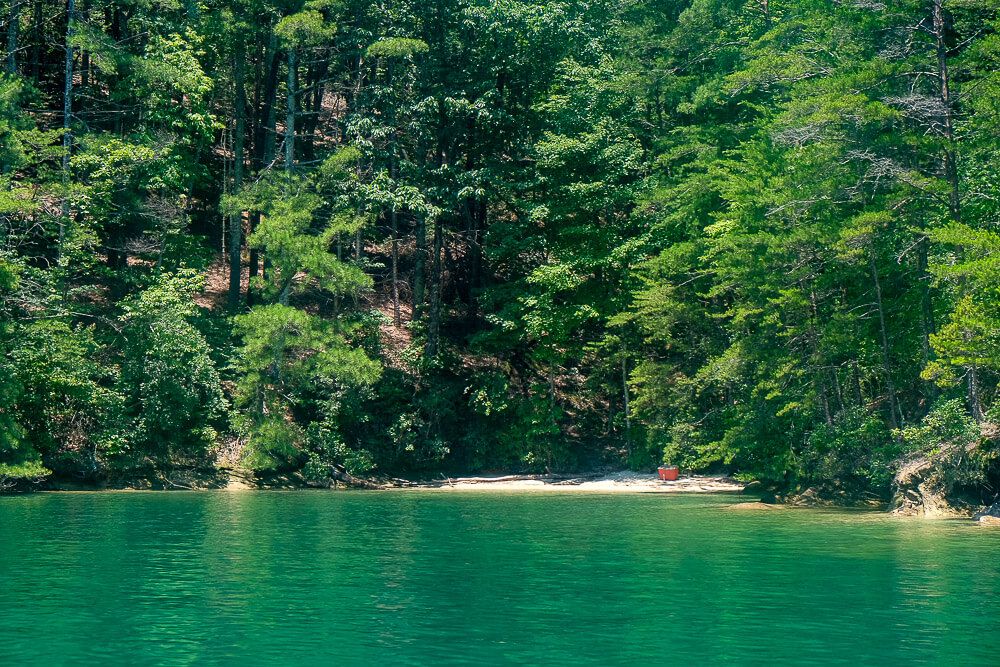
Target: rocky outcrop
948	482
989	516
919	490
831	495
752	506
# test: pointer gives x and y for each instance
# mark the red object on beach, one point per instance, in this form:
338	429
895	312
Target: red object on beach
668	473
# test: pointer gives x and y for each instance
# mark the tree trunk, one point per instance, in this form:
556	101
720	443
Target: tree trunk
837	390
290	112
119	33
817	357
67	114
270	130
236	224
856	383
286	291
944	88
625	405
419	269
477	222
394	230
926	306
951	168
890	385
434	323
397	319
336	295
314	105
37	38
267	113
824	400
265	139
13	20
975	403
253	270
393	214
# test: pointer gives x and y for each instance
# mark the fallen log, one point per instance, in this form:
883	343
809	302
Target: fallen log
504	478
341	475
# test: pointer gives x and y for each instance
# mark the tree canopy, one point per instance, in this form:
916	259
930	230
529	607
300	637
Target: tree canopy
759	237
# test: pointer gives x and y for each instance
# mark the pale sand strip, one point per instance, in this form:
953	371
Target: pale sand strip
625	482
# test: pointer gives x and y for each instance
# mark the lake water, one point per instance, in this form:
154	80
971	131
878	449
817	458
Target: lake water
451	578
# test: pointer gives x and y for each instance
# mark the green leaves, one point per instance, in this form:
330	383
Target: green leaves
64	408
396	47
288	354
172	391
293	362
305	28
970	337
732	234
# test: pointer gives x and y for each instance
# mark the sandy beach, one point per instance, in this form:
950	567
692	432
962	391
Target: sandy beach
620	482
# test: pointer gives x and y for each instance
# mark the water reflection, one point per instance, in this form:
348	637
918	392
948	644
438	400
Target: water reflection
317	577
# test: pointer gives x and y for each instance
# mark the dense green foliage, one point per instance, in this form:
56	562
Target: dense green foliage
471	234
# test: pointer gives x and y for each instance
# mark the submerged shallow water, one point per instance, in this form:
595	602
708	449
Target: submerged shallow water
448	578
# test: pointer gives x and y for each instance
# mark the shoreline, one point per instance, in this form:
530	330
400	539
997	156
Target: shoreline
622	482
613	482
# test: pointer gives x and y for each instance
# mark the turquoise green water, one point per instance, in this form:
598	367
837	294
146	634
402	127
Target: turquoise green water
425	578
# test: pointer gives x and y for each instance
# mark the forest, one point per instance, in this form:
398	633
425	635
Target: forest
411	236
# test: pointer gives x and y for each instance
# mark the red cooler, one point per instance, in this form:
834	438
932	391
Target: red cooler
668	473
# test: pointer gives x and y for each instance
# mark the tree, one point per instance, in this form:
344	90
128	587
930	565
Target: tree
286	350
172	393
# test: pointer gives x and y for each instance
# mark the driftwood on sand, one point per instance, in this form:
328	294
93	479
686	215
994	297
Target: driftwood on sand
487	480
339	474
